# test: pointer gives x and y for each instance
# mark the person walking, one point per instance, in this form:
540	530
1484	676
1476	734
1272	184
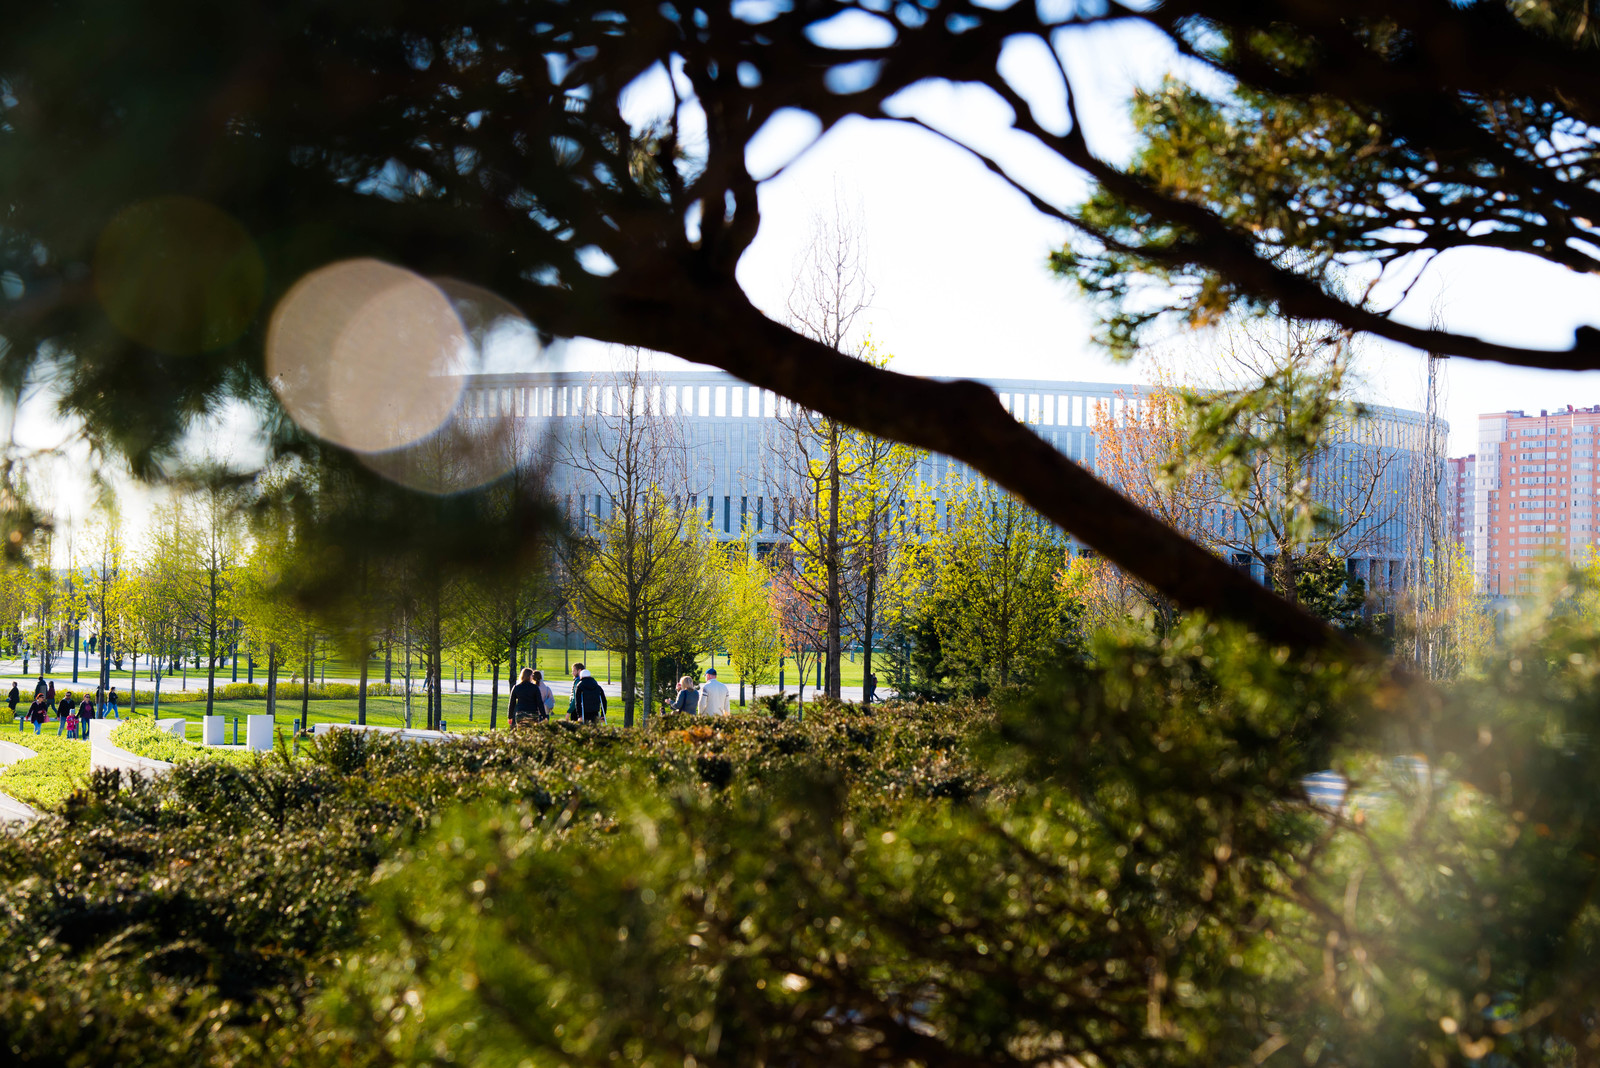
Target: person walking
111	705
869	688
546	694
527	702
12	698
572	702
714	695
39	687
50	691
686	700
64	712
39	712
589	698
85	714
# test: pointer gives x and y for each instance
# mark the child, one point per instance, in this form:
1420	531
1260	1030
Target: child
72	724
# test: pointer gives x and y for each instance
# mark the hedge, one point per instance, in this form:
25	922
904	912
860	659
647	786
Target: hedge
142	737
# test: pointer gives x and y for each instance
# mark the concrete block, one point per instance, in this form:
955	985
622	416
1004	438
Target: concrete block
258	733
178	728
214	730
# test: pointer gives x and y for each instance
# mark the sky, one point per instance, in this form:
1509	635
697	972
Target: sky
958	259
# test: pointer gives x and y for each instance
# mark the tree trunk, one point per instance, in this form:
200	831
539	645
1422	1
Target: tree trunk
361	688
649	682
305	685
211	672
133	676
76	641
436	658
629	666
871	597
272	682
835	602
388	662
494	696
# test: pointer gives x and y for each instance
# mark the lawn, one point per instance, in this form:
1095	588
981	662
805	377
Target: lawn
553	662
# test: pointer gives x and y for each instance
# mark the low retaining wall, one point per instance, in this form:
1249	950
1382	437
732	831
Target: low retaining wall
103	753
407	733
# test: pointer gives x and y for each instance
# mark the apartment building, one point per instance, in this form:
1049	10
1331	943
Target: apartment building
1534	498
1460	473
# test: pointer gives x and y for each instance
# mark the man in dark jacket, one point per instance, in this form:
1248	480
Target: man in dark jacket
589	699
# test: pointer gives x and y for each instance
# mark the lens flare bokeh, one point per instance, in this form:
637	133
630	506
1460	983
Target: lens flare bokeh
367	355
178	275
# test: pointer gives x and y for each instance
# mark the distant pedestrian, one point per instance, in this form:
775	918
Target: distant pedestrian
111	704
65	711
527	702
39	711
687	699
13	697
50	691
589	699
869	688
713	695
39	687
85	713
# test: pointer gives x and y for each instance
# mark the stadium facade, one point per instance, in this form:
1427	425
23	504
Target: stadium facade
730	428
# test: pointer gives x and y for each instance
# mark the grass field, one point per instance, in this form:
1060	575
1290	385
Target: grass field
553	662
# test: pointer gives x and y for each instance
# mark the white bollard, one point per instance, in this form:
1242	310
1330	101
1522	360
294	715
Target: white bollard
258	731
213	730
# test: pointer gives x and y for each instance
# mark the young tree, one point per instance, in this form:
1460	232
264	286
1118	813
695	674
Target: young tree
815	453
105	593
999	612
167	594
642	575
212	516
802	621
1266	439
749	624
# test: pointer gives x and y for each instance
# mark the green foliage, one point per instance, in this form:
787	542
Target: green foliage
1118	865
48	779
991	612
142	737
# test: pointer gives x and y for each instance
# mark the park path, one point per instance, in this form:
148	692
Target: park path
12	810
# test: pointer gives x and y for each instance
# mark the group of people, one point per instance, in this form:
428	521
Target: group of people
72	715
533	701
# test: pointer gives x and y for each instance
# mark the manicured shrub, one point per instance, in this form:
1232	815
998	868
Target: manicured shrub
142	737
